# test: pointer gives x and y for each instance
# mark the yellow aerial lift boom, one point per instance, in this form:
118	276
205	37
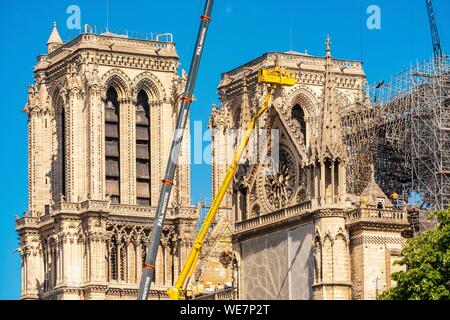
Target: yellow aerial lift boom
274	78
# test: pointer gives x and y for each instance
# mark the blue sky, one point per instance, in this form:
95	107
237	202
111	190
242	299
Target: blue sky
240	31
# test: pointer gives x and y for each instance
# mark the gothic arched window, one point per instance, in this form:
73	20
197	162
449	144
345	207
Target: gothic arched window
143	149
112	150
298	115
61	153
243	202
123	262
113	265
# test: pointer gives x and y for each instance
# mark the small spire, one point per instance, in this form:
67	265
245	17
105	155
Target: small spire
328	44
54	41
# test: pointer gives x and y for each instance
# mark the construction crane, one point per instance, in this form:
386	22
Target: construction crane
434	31
148	273
274	78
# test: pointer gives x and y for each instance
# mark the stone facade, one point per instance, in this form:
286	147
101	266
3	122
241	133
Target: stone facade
297	233
101	114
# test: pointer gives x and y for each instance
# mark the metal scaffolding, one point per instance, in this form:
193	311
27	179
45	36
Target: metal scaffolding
403	128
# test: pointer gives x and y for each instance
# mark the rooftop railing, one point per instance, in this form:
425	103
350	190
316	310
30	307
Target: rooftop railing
273	217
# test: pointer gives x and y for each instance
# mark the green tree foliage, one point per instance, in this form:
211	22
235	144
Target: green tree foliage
427	261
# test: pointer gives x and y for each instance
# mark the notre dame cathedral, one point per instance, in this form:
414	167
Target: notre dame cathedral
100	119
101	114
298	233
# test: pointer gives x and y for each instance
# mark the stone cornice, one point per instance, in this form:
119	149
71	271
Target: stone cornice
97	41
66	211
58	69
297	60
329	213
377	224
310	70
375	239
110	289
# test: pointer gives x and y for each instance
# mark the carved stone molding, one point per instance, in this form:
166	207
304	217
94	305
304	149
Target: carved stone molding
375	239
328	213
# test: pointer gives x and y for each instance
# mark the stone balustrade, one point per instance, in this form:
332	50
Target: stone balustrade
273	217
379	214
27	222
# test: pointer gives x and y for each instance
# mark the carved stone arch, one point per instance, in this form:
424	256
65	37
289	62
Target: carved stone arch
306	98
112	228
287	140
318	234
277	121
151	84
145	234
260	179
342	234
140	233
328	237
235	113
117	79
35	110
343	103
57	95
128	230
55	90
327	154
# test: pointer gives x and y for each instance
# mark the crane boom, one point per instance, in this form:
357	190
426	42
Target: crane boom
274	78
148	273
434	31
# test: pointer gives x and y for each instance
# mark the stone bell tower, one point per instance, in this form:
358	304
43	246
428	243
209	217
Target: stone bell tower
100	117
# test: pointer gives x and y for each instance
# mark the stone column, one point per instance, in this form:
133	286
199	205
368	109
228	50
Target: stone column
39	160
343	180
139	258
177	260
59	254
316	182
132	199
96	143
97	259
156	159
332	181
76	147
126	144
322	183
32	271
131	262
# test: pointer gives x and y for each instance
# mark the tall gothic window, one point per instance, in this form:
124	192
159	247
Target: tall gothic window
298	115
143	149
328	180
113	265
243	202
112	149
61	153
